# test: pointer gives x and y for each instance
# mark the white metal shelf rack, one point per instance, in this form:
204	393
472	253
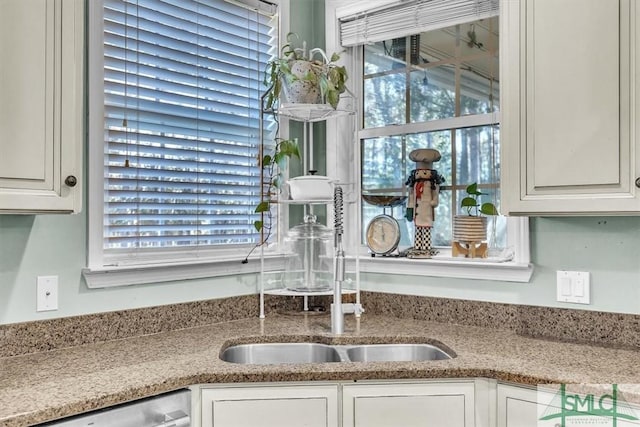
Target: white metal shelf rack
308	114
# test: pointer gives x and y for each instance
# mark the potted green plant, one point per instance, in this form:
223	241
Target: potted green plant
470	230
307	77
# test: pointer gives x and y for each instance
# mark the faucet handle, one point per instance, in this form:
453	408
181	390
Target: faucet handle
358	309
354	308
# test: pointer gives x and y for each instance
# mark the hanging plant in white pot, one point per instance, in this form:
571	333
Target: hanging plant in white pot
304	77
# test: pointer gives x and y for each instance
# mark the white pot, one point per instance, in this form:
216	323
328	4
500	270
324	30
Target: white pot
468	229
310	187
301	91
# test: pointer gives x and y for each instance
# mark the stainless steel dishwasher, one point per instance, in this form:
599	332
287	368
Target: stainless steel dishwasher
166	410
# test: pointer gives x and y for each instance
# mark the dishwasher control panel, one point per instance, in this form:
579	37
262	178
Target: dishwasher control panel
166	410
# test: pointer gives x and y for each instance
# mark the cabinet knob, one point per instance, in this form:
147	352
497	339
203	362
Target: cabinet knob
71	181
638	182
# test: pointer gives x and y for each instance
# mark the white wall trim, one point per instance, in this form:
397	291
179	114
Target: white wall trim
462	269
136	275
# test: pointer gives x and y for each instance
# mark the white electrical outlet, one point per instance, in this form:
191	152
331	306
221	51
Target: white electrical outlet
573	286
47	293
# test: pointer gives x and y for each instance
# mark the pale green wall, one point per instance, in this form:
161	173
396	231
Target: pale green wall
44	245
307	11
56	245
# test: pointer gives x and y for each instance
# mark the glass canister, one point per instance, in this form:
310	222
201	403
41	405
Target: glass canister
309	261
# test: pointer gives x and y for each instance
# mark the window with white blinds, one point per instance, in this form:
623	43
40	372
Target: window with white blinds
182	87
411	17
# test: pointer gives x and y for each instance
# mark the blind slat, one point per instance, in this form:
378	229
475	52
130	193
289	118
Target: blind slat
119	137
207	112
179	130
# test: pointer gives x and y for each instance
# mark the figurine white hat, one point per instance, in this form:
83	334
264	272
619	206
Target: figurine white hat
424	157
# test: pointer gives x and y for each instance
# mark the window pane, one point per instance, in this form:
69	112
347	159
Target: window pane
384	164
385	98
477	152
433	95
385	83
380	59
480	91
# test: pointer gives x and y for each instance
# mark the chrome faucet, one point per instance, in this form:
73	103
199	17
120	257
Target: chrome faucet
338	309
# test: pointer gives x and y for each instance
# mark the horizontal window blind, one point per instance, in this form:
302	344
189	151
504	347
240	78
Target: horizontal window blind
412	17
182	87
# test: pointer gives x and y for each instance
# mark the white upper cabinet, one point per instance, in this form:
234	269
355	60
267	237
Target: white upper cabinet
570	92
41	84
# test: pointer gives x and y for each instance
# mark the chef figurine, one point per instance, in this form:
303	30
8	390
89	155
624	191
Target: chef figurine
424	188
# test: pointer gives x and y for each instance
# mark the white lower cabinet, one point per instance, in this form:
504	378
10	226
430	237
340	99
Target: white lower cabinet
273	405
472	402
363	404
448	404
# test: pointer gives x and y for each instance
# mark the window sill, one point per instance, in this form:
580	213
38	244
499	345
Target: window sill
113	276
444	266
439	266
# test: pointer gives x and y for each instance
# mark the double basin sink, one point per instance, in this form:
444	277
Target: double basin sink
278	353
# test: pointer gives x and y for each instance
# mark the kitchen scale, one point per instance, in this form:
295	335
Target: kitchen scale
383	231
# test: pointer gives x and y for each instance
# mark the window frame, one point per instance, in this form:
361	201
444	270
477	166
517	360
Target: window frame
158	265
343	160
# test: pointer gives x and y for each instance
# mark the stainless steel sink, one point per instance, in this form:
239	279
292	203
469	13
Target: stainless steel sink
276	353
395	353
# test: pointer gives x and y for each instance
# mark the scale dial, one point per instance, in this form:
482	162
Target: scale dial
383	234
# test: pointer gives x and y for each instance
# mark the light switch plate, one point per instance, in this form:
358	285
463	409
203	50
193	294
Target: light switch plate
47	293
573	287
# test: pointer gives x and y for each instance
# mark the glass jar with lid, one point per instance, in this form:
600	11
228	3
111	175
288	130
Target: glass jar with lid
309	257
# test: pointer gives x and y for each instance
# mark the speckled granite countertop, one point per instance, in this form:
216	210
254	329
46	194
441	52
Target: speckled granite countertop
47	385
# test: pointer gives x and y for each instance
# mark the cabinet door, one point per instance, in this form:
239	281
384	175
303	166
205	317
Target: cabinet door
408	405
567	97
271	406
41	57
517	406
